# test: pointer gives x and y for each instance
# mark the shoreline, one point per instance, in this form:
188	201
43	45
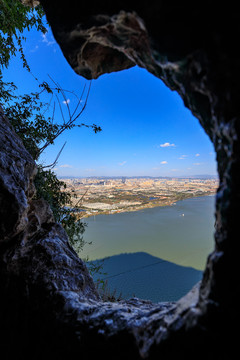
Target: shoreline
143	206
159	231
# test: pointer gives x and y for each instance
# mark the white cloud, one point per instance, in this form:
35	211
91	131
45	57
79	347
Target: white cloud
65	166
46	40
66	101
197	155
197	164
90	170
167	144
163	162
34	49
182	157
44	37
122	163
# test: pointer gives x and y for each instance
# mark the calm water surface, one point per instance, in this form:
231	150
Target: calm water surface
181	233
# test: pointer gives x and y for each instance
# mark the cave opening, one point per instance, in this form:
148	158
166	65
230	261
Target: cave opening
149	137
205	74
148	241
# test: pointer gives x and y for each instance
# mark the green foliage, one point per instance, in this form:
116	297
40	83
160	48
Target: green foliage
75	229
106	294
6	90
50	188
14	19
29	116
96	268
26	114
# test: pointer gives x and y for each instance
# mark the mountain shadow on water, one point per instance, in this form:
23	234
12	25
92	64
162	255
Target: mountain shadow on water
147	277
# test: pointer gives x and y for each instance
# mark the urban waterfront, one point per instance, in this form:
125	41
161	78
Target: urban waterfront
98	196
181	233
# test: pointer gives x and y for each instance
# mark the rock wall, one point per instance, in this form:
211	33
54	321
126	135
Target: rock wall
49	305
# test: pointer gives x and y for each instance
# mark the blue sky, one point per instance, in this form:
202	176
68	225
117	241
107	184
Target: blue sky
146	128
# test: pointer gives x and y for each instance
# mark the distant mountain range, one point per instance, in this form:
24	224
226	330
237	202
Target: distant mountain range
142	177
147	277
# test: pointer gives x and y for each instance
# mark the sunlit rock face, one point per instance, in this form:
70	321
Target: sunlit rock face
49	303
38	269
14	195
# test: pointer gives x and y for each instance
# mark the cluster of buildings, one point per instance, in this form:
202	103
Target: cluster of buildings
94	196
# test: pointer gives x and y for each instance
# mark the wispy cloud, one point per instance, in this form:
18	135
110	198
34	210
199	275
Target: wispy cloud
122	163
46	40
197	155
197	164
34	49
182	157
65	166
65	102
167	144
159	167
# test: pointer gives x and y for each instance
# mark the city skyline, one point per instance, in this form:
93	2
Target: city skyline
147	131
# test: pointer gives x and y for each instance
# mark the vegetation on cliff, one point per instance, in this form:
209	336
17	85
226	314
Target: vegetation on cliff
34	119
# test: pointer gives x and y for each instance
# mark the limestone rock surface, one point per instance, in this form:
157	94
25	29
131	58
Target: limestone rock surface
17	170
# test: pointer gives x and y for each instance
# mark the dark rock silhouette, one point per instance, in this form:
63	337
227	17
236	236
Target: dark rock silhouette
49	306
147	277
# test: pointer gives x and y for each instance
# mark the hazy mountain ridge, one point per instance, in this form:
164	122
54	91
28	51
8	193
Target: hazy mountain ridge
147	277
200	176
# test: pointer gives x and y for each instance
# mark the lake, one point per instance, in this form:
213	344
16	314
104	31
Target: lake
181	233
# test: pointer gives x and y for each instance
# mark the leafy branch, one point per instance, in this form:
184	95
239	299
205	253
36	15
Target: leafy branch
14	19
72	116
30	116
31	119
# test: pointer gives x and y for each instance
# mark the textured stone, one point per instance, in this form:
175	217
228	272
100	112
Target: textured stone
17	170
58	311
